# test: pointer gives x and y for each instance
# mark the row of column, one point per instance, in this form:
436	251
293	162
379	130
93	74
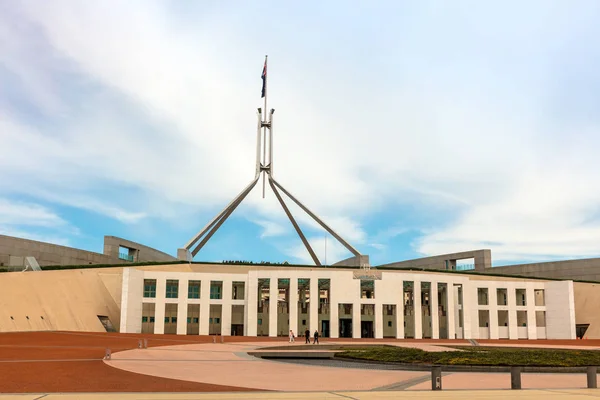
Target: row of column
252	310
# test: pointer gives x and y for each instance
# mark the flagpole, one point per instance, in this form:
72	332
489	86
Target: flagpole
264	127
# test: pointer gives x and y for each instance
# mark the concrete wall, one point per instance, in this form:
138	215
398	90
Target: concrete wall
59	300
585	269
13	251
587	299
354	261
483	261
140	252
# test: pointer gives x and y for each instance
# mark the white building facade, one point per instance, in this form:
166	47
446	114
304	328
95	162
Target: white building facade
271	301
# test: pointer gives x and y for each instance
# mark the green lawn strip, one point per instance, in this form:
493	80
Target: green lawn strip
498	356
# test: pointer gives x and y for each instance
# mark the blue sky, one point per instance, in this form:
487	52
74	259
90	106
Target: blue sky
412	128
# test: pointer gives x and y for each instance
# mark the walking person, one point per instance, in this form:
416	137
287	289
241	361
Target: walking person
316	337
307	336
292	339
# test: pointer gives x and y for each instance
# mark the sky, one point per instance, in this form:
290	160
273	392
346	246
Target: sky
411	128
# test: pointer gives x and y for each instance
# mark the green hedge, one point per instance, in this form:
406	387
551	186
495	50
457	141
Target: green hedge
489	356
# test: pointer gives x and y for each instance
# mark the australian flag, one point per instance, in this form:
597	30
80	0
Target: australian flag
264	79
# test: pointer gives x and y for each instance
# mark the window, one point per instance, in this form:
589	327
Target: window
149	288
482	296
217	320
539	296
521	318
193	289
151	319
189	320
166	320
367	289
259	322
173	320
502	297
196	320
521	297
540	319
172	289
144	319
215	290
390	323
238	291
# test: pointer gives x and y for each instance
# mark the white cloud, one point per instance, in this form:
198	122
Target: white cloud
28	214
482	133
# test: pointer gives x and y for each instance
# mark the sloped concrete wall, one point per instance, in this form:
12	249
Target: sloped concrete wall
59	300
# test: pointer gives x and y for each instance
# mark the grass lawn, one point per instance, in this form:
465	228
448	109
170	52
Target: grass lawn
505	356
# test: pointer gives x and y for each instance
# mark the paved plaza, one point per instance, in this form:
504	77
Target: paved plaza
43	364
572	394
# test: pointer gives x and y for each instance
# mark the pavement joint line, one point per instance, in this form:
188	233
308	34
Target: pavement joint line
406	384
41	397
562	391
52	360
342	395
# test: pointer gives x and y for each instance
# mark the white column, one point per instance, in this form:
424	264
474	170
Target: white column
294	305
132	299
400	313
182	306
334	317
226	308
493	302
435	315
378	321
159	307
273	294
560	310
512	312
470	311
251	308
531	324
418	310
204	306
356	320
314	306
450	314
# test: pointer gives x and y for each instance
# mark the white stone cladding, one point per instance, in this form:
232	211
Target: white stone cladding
431	318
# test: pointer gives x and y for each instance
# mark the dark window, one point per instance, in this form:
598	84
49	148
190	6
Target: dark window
173	319
151	319
172	289
144	319
389	323
194	290
150	288
215	290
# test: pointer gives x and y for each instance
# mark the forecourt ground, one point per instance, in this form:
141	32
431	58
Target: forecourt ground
51	362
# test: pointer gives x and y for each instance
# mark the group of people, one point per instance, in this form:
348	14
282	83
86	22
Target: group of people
306	336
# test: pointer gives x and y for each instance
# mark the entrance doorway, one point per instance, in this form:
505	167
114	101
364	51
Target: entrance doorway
325	328
237	330
366	329
345	327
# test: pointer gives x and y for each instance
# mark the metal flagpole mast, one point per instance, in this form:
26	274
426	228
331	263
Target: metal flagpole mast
264	166
265	129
